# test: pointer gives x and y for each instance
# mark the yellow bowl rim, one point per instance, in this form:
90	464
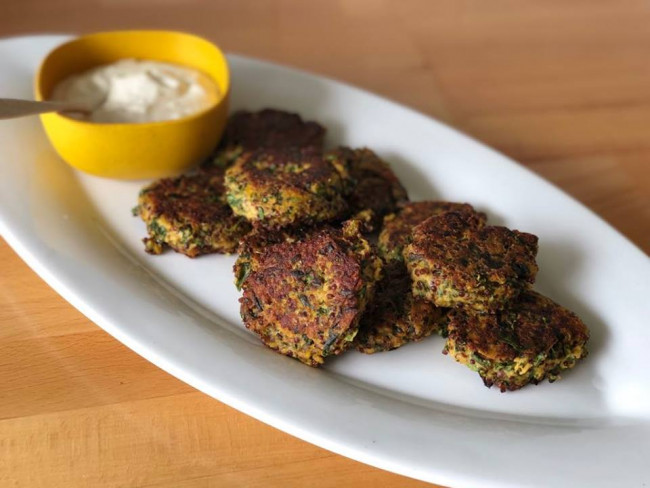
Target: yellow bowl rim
223	95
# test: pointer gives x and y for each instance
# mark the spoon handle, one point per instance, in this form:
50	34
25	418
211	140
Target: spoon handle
11	108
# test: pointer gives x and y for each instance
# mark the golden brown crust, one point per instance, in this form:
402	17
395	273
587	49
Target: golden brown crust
374	186
268	128
189	214
289	187
304	297
453	262
398	227
532	339
395	317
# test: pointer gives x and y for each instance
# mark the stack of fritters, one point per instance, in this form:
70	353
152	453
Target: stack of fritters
313	283
191	214
498	326
396	316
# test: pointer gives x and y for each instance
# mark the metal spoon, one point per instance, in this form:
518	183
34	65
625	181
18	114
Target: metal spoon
11	108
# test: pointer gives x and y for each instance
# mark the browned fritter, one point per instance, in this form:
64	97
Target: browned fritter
374	186
395	318
267	128
190	215
454	262
278	188
397	228
304	297
532	339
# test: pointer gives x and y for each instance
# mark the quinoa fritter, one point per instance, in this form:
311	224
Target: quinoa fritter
395	317
304	297
374	186
279	188
453	262
533	339
190	215
270	128
397	227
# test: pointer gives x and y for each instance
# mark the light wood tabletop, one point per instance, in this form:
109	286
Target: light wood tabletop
561	86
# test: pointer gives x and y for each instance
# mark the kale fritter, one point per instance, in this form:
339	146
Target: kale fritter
268	128
190	215
279	188
455	262
304	297
395	317
373	186
397	228
533	339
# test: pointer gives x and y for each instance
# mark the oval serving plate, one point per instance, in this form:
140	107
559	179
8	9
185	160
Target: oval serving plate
412	411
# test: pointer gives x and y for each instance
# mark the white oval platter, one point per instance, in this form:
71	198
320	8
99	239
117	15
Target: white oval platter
412	411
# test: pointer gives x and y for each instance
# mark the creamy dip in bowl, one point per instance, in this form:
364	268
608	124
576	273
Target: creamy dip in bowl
132	90
158	102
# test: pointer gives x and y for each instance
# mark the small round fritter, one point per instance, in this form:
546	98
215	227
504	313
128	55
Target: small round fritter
276	129
190	215
453	262
278	188
395	317
397	228
304	298
374	186
534	338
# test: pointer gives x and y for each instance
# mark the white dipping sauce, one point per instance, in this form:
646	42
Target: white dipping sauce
133	90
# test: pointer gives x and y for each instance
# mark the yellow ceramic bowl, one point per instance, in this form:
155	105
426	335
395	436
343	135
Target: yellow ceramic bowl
142	150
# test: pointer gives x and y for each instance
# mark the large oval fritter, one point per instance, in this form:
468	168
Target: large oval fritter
397	228
532	339
190	215
395	317
374	185
279	188
453	262
270	128
305	297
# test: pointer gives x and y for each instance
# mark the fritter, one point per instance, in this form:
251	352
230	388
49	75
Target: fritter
397	228
190	215
455	262
533	339
374	186
277	188
275	129
304	297
395	317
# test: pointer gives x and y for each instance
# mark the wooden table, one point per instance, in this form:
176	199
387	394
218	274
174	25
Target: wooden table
561	86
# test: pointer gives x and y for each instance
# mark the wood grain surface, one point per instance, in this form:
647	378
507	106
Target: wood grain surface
563	86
